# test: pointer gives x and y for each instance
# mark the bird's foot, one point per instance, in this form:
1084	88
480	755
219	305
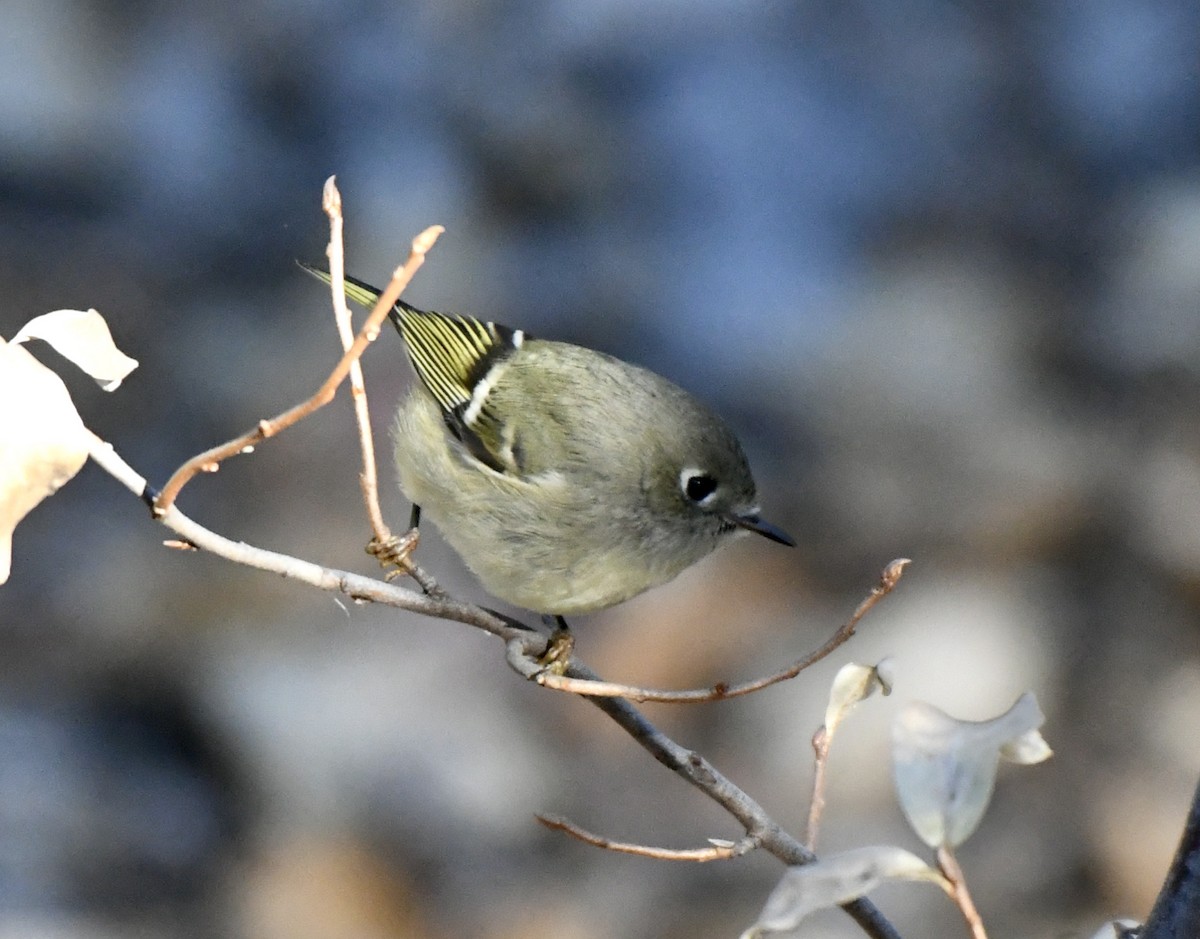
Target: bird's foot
395	552
557	656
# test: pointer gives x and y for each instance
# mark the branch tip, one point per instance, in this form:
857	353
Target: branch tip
893	572
426	240
719	849
331	198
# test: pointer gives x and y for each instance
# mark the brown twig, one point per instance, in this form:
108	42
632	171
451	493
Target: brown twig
384	546
715	852
603	689
696	770
353	586
210	460
331	202
958	883
820	744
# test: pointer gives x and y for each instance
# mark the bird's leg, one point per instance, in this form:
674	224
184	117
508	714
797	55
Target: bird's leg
562	642
395	551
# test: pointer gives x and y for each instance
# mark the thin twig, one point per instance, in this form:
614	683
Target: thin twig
704	776
210	460
602	689
958	882
354	586
715	852
820	744
331	202
385	547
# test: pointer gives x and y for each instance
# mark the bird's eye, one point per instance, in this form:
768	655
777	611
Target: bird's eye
697	486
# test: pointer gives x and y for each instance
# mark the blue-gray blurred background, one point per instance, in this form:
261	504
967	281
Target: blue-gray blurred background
936	262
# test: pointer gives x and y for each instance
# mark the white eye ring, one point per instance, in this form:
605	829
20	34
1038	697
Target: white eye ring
697	486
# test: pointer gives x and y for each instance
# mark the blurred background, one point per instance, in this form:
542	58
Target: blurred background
937	263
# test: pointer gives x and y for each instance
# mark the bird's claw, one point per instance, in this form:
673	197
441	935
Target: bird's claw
395	552
557	656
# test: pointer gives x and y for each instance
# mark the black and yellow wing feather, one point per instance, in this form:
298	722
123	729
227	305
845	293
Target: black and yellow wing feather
456	358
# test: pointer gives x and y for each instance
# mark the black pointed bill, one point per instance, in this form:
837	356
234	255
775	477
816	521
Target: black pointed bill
751	522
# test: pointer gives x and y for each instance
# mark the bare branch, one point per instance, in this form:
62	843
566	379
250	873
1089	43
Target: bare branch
704	776
715	852
385	547
820	745
523	646
331	202
887	581
958	883
354	586
210	460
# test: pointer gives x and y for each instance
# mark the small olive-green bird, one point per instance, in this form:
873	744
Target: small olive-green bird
566	479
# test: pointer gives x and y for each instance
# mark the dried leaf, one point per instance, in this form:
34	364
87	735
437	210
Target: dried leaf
1027	749
945	769
852	684
834	880
82	337
45	443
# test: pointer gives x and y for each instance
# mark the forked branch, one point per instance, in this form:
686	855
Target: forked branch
523	645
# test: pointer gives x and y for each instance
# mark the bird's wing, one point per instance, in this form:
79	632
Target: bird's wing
457	358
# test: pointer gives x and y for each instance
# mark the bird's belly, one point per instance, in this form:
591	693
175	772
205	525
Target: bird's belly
537	544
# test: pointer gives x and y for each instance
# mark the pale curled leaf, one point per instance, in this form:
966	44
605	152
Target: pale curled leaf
1027	749
944	769
833	880
44	440
852	684
83	337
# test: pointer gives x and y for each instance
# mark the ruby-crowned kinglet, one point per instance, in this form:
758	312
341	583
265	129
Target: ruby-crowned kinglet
566	479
